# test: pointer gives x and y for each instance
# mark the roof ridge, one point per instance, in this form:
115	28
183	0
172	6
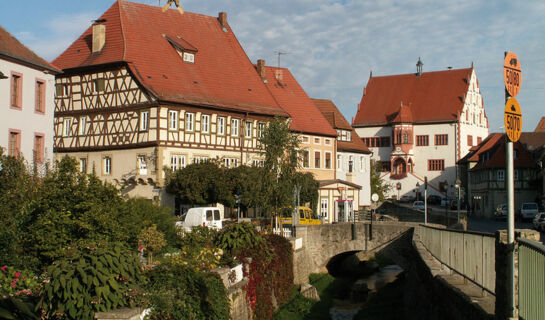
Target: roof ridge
423	73
122	31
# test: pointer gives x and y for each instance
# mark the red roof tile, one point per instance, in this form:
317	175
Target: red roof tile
433	96
338	121
222	75
541	125
11	47
293	99
498	158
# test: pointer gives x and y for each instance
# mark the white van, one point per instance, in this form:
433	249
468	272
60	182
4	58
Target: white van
529	210
205	216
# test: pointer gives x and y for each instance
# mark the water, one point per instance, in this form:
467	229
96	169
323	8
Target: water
360	290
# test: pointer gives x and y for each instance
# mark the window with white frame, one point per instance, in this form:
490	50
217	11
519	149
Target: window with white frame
362	159
205	123
500	175
260	129
339	162
248	129
82	128
317	159
142	165
324	207
305	158
327	160
107	165
305	139
189	121
66	127
259	163
83	165
144	120
327	142
317	140
173	119
230	162
200	159
234	127
177	161
350	164
221	126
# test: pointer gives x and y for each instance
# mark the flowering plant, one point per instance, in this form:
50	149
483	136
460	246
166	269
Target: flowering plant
16	283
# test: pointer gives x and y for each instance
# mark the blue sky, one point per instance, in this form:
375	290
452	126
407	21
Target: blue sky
334	44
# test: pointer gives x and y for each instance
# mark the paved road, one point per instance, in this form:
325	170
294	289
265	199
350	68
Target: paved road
490	225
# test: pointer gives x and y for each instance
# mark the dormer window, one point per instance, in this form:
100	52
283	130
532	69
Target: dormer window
189	57
184	49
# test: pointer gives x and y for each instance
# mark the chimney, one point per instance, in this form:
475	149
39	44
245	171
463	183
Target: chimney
99	36
278	74
222	17
261	69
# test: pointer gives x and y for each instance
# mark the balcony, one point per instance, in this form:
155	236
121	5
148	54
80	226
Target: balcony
398	176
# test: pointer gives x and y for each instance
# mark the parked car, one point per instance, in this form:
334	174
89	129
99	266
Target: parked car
528	210
501	212
444	202
418	205
434	199
202	216
406	198
539	221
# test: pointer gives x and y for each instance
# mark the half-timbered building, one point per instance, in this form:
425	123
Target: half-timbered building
419	125
144	90
318	144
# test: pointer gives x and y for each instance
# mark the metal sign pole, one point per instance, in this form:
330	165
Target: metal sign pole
425	200
511	226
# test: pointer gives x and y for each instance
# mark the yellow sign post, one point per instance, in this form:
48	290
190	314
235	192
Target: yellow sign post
512	119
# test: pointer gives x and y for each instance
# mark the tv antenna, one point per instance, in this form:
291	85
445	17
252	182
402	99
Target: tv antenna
279	53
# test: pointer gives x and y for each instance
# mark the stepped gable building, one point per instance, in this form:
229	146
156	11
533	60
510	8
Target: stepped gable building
27	102
420	124
144	89
318	143
353	156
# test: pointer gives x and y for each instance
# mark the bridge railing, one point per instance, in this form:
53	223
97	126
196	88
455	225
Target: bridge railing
470	254
531	279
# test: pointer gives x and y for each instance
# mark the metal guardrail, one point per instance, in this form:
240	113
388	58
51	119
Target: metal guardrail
531	279
471	254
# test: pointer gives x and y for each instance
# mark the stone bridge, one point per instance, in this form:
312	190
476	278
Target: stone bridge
315	246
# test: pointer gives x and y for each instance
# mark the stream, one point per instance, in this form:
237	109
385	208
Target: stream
361	290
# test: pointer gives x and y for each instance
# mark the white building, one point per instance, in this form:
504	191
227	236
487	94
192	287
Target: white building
353	156
419	125
27	85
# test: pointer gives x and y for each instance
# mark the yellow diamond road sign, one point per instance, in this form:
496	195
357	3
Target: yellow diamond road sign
513	119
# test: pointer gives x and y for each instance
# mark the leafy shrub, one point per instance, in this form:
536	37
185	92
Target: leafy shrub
91	278
177	291
281	266
152	241
239	236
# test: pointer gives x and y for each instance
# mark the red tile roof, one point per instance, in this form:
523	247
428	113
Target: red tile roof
12	48
433	96
495	145
305	116
137	34
338	121
541	125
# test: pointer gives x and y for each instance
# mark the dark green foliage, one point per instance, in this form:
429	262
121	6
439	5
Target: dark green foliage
18	308
309	188
199	237
245	180
95	277
238	236
281	162
200	184
378	185
180	292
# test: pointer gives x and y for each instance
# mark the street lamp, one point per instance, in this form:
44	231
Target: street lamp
416	190
458	185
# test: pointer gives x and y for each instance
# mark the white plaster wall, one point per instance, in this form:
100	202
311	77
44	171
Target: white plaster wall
473	119
361	174
26	120
386	131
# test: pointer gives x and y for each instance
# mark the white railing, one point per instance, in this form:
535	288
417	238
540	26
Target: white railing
285	232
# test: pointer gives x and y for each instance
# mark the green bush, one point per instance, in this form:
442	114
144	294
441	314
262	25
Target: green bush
239	236
92	277
180	292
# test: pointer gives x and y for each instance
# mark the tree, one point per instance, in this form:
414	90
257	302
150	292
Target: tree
378	185
245	181
200	184
152	241
309	188
281	162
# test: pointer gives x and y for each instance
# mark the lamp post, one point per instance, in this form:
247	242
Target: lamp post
416	190
458	186
425	200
